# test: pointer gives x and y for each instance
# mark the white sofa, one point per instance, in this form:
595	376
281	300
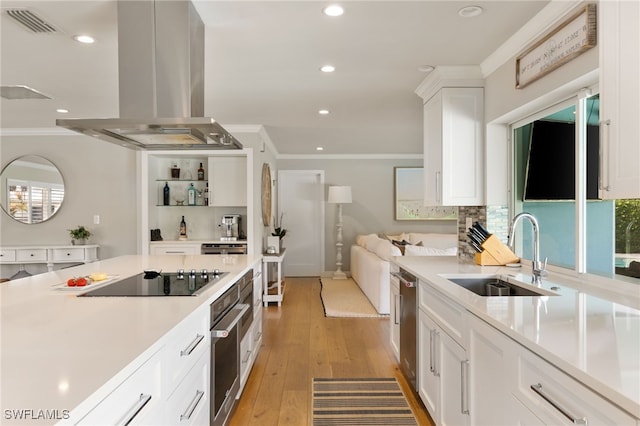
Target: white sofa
370	257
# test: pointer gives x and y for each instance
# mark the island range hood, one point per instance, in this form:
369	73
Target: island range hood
161	82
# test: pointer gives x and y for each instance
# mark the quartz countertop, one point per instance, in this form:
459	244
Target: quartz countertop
58	349
589	331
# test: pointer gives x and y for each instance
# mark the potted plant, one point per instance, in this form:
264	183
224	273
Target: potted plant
79	235
278	230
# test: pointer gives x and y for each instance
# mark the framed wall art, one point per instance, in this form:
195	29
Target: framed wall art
409	197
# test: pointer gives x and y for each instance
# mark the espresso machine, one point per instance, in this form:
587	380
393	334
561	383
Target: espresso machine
230	224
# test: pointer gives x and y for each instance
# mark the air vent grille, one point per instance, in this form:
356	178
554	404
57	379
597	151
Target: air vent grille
31	21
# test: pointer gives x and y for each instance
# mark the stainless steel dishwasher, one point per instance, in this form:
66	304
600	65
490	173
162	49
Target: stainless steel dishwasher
408	325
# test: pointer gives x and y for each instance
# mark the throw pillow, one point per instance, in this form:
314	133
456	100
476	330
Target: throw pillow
386	250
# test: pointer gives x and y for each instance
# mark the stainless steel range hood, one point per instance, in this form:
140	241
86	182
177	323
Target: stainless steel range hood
161	82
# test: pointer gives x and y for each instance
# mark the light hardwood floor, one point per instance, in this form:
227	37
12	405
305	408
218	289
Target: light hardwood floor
300	343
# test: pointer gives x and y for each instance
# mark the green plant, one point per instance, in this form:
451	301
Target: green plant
278	230
79	233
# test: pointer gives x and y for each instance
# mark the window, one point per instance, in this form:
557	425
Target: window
33	202
552	151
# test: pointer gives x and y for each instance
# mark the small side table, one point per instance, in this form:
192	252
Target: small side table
277	285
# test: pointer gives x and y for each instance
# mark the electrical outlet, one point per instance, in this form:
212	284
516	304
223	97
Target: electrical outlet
96	219
469	222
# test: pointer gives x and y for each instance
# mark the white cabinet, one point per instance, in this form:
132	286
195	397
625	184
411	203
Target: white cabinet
137	400
443	366
228	181
558	399
619	44
50	255
189	404
394	316
174	248
454	147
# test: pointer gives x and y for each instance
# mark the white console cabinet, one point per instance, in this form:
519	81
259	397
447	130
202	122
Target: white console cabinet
619	44
50	255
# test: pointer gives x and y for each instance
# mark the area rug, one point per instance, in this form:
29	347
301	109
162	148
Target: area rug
343	298
362	401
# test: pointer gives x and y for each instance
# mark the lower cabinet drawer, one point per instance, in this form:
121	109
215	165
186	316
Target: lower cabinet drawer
7	256
187	342
71	255
448	314
35	255
189	404
134	401
557	399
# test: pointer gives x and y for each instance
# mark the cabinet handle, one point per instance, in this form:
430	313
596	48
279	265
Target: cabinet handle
247	356
575	419
433	362
192	345
133	412
174	252
258	337
464	387
192	406
258	275
396	313
437	187
603	176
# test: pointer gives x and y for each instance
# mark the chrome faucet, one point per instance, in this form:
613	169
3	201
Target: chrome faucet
538	270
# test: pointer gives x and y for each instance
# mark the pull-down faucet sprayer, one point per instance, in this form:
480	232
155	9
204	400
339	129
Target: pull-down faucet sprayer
538	270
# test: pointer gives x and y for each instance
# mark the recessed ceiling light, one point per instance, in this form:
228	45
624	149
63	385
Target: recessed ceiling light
426	68
470	11
319	148
333	10
327	68
62	110
86	39
323	111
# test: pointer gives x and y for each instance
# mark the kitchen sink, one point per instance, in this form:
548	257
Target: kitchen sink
495	285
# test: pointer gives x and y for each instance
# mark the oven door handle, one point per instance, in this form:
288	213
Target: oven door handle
222	329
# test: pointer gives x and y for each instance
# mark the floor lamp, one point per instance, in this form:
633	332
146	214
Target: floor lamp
339	195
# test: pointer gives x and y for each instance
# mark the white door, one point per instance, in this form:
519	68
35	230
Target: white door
301	204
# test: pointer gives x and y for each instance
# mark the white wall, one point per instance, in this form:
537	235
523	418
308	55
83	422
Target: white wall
100	179
372	210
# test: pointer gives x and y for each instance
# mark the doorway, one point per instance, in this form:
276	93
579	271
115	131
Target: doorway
301	206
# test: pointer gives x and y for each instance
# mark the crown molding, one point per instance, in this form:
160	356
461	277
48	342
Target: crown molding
450	76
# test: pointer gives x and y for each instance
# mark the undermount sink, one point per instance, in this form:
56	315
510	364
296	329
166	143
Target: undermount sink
495	285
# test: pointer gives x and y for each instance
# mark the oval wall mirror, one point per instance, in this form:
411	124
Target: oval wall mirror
32	189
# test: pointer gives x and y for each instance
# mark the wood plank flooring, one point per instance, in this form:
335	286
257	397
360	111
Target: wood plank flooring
300	343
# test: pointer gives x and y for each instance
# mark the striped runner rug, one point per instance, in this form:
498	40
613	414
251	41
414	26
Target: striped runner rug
361	401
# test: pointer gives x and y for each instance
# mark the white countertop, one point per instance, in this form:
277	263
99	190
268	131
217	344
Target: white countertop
58	349
173	242
591	333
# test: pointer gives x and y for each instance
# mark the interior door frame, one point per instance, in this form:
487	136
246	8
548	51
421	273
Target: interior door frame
321	199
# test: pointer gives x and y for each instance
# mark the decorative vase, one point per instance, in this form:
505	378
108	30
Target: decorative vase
79	242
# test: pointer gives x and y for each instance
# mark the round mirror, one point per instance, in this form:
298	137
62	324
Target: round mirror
32	189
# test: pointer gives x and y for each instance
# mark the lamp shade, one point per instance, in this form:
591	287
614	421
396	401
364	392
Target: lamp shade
339	194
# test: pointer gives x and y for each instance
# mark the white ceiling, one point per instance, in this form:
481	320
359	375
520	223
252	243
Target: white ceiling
262	65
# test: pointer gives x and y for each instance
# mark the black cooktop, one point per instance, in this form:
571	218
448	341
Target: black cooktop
187	283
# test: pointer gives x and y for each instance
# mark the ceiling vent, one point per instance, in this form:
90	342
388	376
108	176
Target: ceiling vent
31	21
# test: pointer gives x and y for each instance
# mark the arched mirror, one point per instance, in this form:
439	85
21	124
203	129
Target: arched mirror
32	189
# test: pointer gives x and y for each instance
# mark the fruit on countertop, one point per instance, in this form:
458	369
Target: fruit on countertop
71	282
81	282
98	276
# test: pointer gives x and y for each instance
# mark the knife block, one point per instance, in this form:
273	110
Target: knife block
495	253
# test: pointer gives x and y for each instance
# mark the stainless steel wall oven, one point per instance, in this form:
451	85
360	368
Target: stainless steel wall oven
226	313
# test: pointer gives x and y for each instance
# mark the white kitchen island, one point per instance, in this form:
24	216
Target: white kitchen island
490	360
62	355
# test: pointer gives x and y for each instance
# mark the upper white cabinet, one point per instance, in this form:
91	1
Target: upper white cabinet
454	147
228	181
619	44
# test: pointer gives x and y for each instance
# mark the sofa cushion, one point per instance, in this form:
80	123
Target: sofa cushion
413	250
385	250
361	240
371	242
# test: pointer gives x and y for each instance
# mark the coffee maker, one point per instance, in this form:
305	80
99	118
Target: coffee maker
230	227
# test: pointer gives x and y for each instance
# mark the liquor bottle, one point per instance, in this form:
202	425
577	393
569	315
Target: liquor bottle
191	195
206	194
200	173
165	194
183	229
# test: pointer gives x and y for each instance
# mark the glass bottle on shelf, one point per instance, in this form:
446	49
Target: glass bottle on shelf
200	173
183	230
191	195
175	172
165	194
206	194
